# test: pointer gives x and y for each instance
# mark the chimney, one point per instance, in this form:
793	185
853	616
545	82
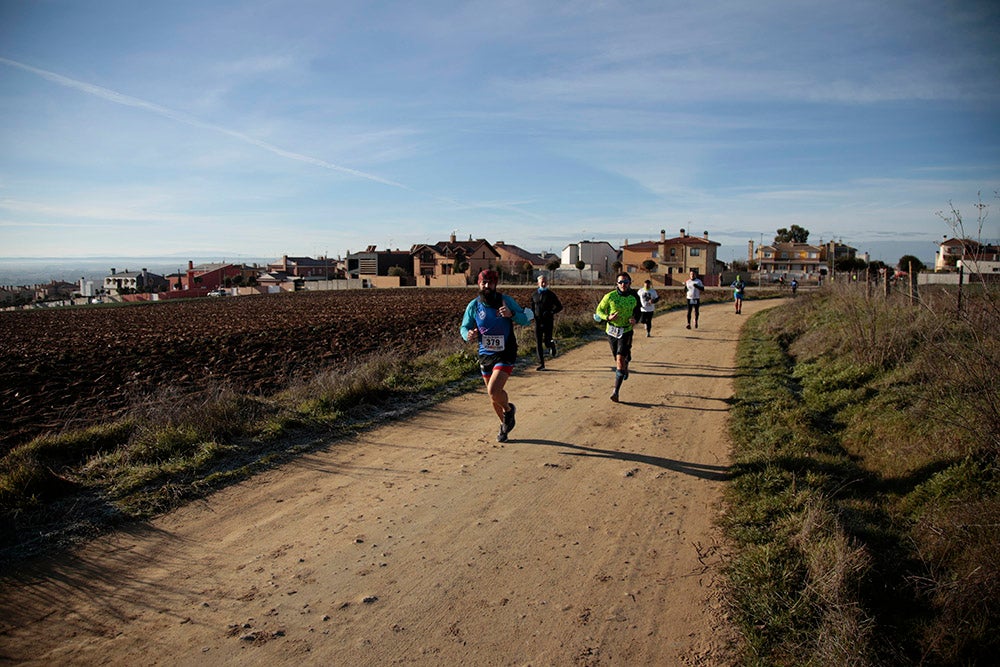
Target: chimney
683	233
451	239
705	234
112	270
190	265
663	235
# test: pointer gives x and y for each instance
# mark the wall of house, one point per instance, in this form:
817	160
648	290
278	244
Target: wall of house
450	280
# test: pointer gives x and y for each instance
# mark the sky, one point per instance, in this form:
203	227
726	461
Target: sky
319	127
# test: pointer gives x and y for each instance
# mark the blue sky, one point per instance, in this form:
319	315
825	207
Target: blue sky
303	127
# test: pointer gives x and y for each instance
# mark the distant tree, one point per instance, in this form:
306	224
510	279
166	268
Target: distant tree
877	266
848	264
553	264
906	261
459	265
526	269
794	235
648	265
738	265
617	266
396	271
580	265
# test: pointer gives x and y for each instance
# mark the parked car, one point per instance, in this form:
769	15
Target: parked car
218	292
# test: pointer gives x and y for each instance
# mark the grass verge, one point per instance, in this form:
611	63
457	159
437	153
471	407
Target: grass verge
865	497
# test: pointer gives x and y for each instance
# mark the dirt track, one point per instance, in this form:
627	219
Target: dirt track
586	539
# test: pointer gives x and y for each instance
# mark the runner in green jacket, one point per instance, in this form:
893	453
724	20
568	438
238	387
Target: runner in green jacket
621	310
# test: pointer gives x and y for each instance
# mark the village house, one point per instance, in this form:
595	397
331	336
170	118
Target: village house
832	252
598	259
308	268
516	261
972	256
452	263
790	260
130	282
372	262
207	277
674	258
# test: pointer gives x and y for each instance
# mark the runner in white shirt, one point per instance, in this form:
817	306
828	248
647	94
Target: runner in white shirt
694	289
647	297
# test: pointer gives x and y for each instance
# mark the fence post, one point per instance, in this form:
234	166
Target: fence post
913	283
961	275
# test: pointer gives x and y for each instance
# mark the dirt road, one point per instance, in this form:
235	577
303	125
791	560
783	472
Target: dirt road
586	539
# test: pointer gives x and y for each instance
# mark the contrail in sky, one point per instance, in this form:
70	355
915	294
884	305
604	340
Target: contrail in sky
126	100
129	101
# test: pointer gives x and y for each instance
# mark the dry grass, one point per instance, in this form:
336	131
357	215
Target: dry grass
867	457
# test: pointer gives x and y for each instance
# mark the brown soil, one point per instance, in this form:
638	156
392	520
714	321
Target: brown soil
587	539
69	367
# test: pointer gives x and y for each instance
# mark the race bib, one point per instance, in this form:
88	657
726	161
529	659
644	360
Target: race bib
615	332
493	343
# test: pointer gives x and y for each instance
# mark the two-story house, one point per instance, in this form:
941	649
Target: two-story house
973	256
452	262
516	261
674	257
319	268
790	260
598	258
832	251
126	281
206	277
372	262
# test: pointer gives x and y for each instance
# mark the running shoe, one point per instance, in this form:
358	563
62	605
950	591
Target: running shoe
502	435
552	346
540	368
614	397
508	419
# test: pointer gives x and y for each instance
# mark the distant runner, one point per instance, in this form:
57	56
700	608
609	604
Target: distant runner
544	304
694	289
647	298
739	291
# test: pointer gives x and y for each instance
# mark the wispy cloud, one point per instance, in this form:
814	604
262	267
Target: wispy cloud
129	101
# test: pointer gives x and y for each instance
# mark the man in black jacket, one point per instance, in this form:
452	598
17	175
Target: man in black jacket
545	304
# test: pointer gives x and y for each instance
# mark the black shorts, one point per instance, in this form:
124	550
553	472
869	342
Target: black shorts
505	360
622	347
646	318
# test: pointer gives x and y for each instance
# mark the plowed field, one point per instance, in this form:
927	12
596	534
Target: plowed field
75	366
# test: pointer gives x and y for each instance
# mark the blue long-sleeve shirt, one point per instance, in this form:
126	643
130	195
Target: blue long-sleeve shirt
496	333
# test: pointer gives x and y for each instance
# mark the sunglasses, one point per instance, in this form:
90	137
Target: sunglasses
624	282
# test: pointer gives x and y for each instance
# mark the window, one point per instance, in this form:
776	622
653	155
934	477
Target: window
695	252
673	252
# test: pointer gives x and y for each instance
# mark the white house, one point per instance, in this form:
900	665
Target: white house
598	256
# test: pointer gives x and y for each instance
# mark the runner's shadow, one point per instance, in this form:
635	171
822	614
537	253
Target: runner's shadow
701	470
